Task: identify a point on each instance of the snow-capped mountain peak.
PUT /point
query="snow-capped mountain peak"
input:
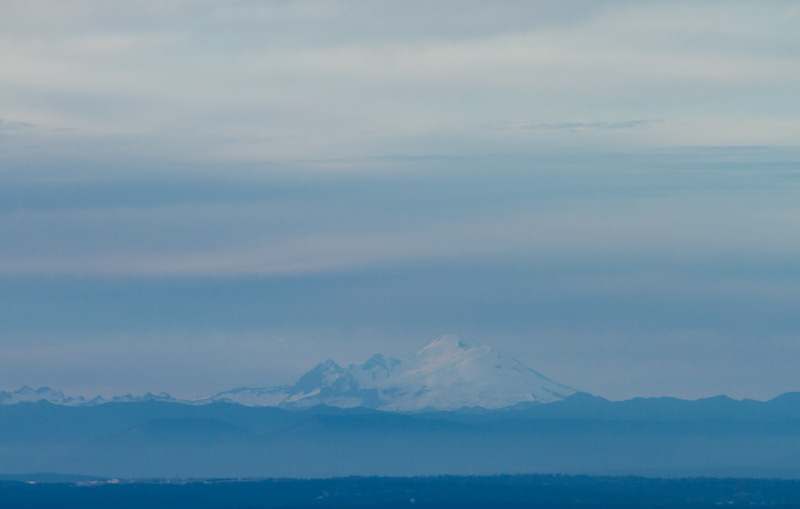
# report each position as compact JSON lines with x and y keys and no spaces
{"x":449,"y":373}
{"x":31,"y":395}
{"x":377,"y":367}
{"x":446,"y":374}
{"x":321,"y":375}
{"x":27,"y":394}
{"x":447,"y":344}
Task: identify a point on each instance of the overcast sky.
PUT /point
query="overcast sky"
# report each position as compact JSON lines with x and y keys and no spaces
{"x":196,"y":196}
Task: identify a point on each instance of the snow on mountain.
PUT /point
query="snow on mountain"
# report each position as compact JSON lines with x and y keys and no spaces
{"x":249,"y":396}
{"x":161,"y":396}
{"x":447,"y":374}
{"x":28,"y":394}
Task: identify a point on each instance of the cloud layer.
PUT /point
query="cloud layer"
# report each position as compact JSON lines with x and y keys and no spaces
{"x":607,"y":190}
{"x":256,"y":81}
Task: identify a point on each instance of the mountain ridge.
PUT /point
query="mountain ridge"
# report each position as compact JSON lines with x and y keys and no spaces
{"x":446,"y":374}
{"x":580,"y":434}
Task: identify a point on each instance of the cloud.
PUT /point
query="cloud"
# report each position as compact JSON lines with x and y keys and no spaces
{"x":267,"y":81}
{"x":443,"y":211}
{"x":15,"y":126}
{"x":594,"y":126}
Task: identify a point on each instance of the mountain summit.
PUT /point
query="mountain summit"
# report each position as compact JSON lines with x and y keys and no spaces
{"x":447,"y":374}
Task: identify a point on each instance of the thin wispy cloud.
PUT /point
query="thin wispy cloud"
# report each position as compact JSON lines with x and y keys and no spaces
{"x":5,"y":125}
{"x":594,"y":126}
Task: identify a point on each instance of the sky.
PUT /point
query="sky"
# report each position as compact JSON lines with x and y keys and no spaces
{"x":197,"y":195}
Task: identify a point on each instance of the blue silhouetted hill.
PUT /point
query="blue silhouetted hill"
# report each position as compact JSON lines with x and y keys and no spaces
{"x":581,"y":434}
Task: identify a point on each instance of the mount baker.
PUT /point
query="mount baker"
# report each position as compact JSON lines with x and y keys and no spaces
{"x":447,"y":374}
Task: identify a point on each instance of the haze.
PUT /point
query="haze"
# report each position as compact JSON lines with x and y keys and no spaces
{"x":196,"y":196}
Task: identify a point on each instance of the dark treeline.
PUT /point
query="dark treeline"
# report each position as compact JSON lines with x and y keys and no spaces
{"x":508,"y":491}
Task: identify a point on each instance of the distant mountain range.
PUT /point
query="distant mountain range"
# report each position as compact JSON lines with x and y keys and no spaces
{"x":447,"y":374}
{"x":27,"y":394}
{"x":581,"y":434}
{"x":451,"y":408}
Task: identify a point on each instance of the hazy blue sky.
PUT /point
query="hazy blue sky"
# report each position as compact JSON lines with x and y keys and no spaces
{"x":197,"y":195}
